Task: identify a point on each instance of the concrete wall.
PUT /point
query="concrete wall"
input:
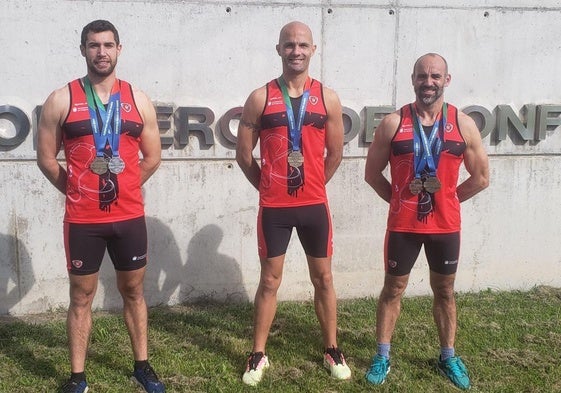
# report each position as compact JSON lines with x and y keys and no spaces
{"x":201,"y":211}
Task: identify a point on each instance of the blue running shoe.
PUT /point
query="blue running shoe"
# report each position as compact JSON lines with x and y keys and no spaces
{"x":455,"y":370}
{"x":74,"y":387}
{"x":147,"y":378}
{"x":379,"y":368}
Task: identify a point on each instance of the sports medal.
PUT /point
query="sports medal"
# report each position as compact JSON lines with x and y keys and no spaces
{"x":98,"y":166}
{"x":116,"y":165}
{"x":295,"y":159}
{"x":416,"y":186}
{"x":432,"y":184}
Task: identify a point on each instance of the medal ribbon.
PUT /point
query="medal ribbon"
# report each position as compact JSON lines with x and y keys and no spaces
{"x":295,"y":125}
{"x":108,"y":133}
{"x":431,"y":146}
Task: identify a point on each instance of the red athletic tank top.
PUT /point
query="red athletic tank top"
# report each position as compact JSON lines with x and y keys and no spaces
{"x":92,"y":198}
{"x":445,"y":218}
{"x":282,"y":185}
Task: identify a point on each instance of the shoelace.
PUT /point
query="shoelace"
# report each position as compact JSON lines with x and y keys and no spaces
{"x":335,"y":354}
{"x":150,"y":374}
{"x":378,"y":366}
{"x":454,"y":367}
{"x":254,"y":360}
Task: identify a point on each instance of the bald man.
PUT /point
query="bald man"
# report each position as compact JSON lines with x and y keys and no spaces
{"x":425,"y":143}
{"x":298,"y":123}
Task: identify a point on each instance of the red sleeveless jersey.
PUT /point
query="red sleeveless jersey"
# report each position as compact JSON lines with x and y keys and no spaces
{"x":93,"y":198}
{"x":281,"y":185}
{"x":445,"y":218}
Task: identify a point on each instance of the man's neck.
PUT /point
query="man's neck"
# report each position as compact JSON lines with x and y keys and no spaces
{"x":295,"y":83}
{"x":102,"y":85}
{"x":429,"y":113}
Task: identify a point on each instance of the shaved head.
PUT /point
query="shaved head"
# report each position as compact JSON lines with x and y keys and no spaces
{"x":291,"y":27}
{"x":431,"y":55}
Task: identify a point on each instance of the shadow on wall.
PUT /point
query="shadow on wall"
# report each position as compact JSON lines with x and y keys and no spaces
{"x":16,"y":274}
{"x":206,"y":276}
{"x":209,"y":274}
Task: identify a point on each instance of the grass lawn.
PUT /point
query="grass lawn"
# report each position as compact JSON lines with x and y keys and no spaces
{"x":510,"y":342}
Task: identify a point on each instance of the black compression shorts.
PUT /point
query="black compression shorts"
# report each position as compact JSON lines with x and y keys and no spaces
{"x":402,"y":249}
{"x":125,"y":241}
{"x":312,"y":223}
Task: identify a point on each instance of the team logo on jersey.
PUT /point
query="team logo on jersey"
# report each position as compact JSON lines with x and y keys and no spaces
{"x":80,"y":107}
{"x":77,"y":263}
{"x":449,"y":127}
{"x":314,"y":100}
{"x":275,"y":101}
{"x":126,"y":106}
{"x":406,"y":129}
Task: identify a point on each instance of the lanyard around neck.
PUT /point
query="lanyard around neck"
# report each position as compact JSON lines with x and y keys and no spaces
{"x":295,"y":125}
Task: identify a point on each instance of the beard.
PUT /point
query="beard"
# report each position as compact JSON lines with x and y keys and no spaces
{"x":101,"y":72}
{"x":429,"y":100}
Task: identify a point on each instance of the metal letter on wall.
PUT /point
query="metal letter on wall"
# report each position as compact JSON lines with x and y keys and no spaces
{"x":163,"y":113}
{"x":506,"y":117}
{"x":21,"y":123}
{"x":224,"y":123}
{"x":373,"y":116}
{"x":351,"y":123}
{"x":184,"y":127}
{"x":548,"y":119}
{"x":484,"y":119}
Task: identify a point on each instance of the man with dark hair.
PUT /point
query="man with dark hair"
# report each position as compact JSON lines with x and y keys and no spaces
{"x":299,"y":124}
{"x":103,"y":123}
{"x":425,"y":143}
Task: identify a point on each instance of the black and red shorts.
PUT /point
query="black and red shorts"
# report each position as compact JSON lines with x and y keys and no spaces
{"x":402,"y":249}
{"x":125,"y":241}
{"x":312,"y":223}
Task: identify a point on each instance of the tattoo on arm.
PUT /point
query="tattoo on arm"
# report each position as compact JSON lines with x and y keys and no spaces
{"x":252,"y":126}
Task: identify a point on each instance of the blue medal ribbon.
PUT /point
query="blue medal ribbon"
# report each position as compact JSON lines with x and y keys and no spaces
{"x":431,"y":146}
{"x":295,"y":125}
{"x":110,"y":119}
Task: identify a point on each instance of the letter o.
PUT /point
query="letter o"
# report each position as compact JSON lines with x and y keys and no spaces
{"x":20,"y":121}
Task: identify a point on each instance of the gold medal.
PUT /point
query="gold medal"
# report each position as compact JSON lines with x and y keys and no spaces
{"x":98,"y":166}
{"x":432,"y":184}
{"x":416,"y":186}
{"x":116,"y":165}
{"x":295,"y":159}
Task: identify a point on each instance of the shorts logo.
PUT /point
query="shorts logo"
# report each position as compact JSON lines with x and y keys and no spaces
{"x":392,"y":263}
{"x":139,"y":258}
{"x":451,"y":262}
{"x":77,"y":263}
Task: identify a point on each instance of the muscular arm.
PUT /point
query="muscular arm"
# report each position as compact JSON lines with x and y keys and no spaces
{"x":150,"y":144}
{"x":334,"y":133}
{"x":49,"y":137}
{"x":379,"y":155}
{"x":475,"y":160}
{"x":248,"y":135}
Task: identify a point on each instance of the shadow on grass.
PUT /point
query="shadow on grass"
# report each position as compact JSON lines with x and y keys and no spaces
{"x":227,"y":332}
{"x":28,"y":346}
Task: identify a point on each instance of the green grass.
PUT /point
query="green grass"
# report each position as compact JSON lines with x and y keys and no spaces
{"x":510,"y":341}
